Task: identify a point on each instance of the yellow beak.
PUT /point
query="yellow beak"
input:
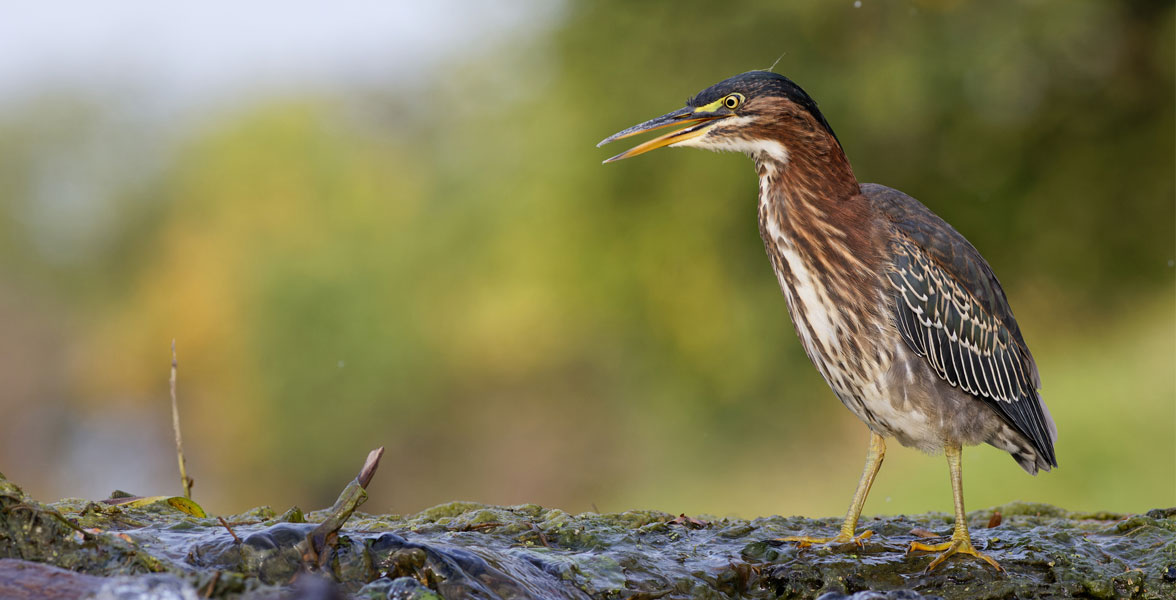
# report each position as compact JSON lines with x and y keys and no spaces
{"x":683,"y":116}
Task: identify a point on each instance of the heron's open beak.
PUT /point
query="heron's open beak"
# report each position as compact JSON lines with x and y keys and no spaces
{"x":683,"y":116}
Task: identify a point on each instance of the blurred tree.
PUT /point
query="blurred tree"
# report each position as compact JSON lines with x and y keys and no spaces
{"x":450,"y":272}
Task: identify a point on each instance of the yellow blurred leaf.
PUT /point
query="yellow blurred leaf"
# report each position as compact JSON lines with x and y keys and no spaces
{"x":134,"y":501}
{"x":187,"y":506}
{"x":179,"y":503}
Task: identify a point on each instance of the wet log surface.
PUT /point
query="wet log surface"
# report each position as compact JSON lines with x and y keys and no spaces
{"x":463,"y":550}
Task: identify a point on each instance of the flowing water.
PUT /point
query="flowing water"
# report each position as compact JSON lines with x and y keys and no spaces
{"x":465,"y":550}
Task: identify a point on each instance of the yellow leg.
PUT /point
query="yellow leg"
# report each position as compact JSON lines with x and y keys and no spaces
{"x":874,"y":458}
{"x":961,"y":541}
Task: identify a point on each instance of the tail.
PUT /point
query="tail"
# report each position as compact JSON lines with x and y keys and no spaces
{"x":1023,"y":450}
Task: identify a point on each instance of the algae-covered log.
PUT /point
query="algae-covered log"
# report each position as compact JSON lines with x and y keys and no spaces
{"x":465,"y":550}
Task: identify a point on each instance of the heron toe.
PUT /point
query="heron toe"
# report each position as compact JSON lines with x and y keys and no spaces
{"x":804,"y":541}
{"x":957,"y":545}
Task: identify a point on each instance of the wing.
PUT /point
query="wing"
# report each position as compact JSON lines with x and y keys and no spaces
{"x":951,"y":310}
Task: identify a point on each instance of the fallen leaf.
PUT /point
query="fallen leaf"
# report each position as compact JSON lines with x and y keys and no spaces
{"x":690,"y":522}
{"x":185,"y":505}
{"x":995,"y":520}
{"x":128,"y":500}
{"x":923,"y":533}
{"x":179,"y":503}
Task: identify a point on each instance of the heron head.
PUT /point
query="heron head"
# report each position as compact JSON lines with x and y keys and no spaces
{"x":759,"y":113}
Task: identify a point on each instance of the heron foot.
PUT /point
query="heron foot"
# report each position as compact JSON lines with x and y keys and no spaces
{"x":804,"y":541}
{"x":957,"y":545}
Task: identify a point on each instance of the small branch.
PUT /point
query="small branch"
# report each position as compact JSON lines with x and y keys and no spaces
{"x":225,"y":523}
{"x":215,"y":578}
{"x":45,"y":510}
{"x":315,"y":548}
{"x":370,"y":464}
{"x":185,"y":481}
{"x":539,"y":532}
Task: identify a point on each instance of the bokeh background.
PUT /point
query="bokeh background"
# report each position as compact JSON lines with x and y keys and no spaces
{"x":386,"y":223}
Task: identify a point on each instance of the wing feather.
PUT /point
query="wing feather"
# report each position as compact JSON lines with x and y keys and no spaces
{"x":951,"y":310}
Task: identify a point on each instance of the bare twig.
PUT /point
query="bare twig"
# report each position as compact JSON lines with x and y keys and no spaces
{"x":315,"y":548}
{"x":45,"y":510}
{"x":185,"y":481}
{"x":225,"y":524}
{"x":369,"y":467}
{"x":539,"y":532}
{"x":212,"y":584}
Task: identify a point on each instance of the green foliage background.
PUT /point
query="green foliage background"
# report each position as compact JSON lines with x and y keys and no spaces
{"x":446,"y":269}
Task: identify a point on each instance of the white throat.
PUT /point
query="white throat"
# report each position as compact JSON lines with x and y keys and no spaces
{"x":761,"y":151}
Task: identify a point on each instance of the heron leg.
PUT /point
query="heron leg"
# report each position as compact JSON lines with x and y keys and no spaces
{"x":874,"y":456}
{"x":961,"y":541}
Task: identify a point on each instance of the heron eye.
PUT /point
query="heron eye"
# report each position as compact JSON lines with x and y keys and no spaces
{"x":732,"y":101}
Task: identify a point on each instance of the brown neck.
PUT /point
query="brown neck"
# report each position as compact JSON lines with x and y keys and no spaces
{"x":812,"y":174}
{"x":814,"y":203}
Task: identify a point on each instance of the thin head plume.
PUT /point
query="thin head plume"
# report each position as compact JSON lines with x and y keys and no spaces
{"x":773,"y":67}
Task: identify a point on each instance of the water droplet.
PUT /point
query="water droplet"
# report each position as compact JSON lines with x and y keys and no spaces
{"x":857,"y":3}
{"x":342,"y":364}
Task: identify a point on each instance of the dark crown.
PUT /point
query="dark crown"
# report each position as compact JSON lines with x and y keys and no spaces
{"x":763,"y":83}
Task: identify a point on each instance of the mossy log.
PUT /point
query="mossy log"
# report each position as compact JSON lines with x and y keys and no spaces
{"x":464,"y":550}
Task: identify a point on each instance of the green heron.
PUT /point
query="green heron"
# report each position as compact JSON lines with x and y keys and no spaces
{"x":898,"y":312}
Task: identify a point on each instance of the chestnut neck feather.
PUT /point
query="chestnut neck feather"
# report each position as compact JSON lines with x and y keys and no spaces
{"x":816,"y":205}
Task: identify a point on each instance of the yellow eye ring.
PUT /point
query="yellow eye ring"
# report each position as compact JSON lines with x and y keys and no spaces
{"x":732,"y":101}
